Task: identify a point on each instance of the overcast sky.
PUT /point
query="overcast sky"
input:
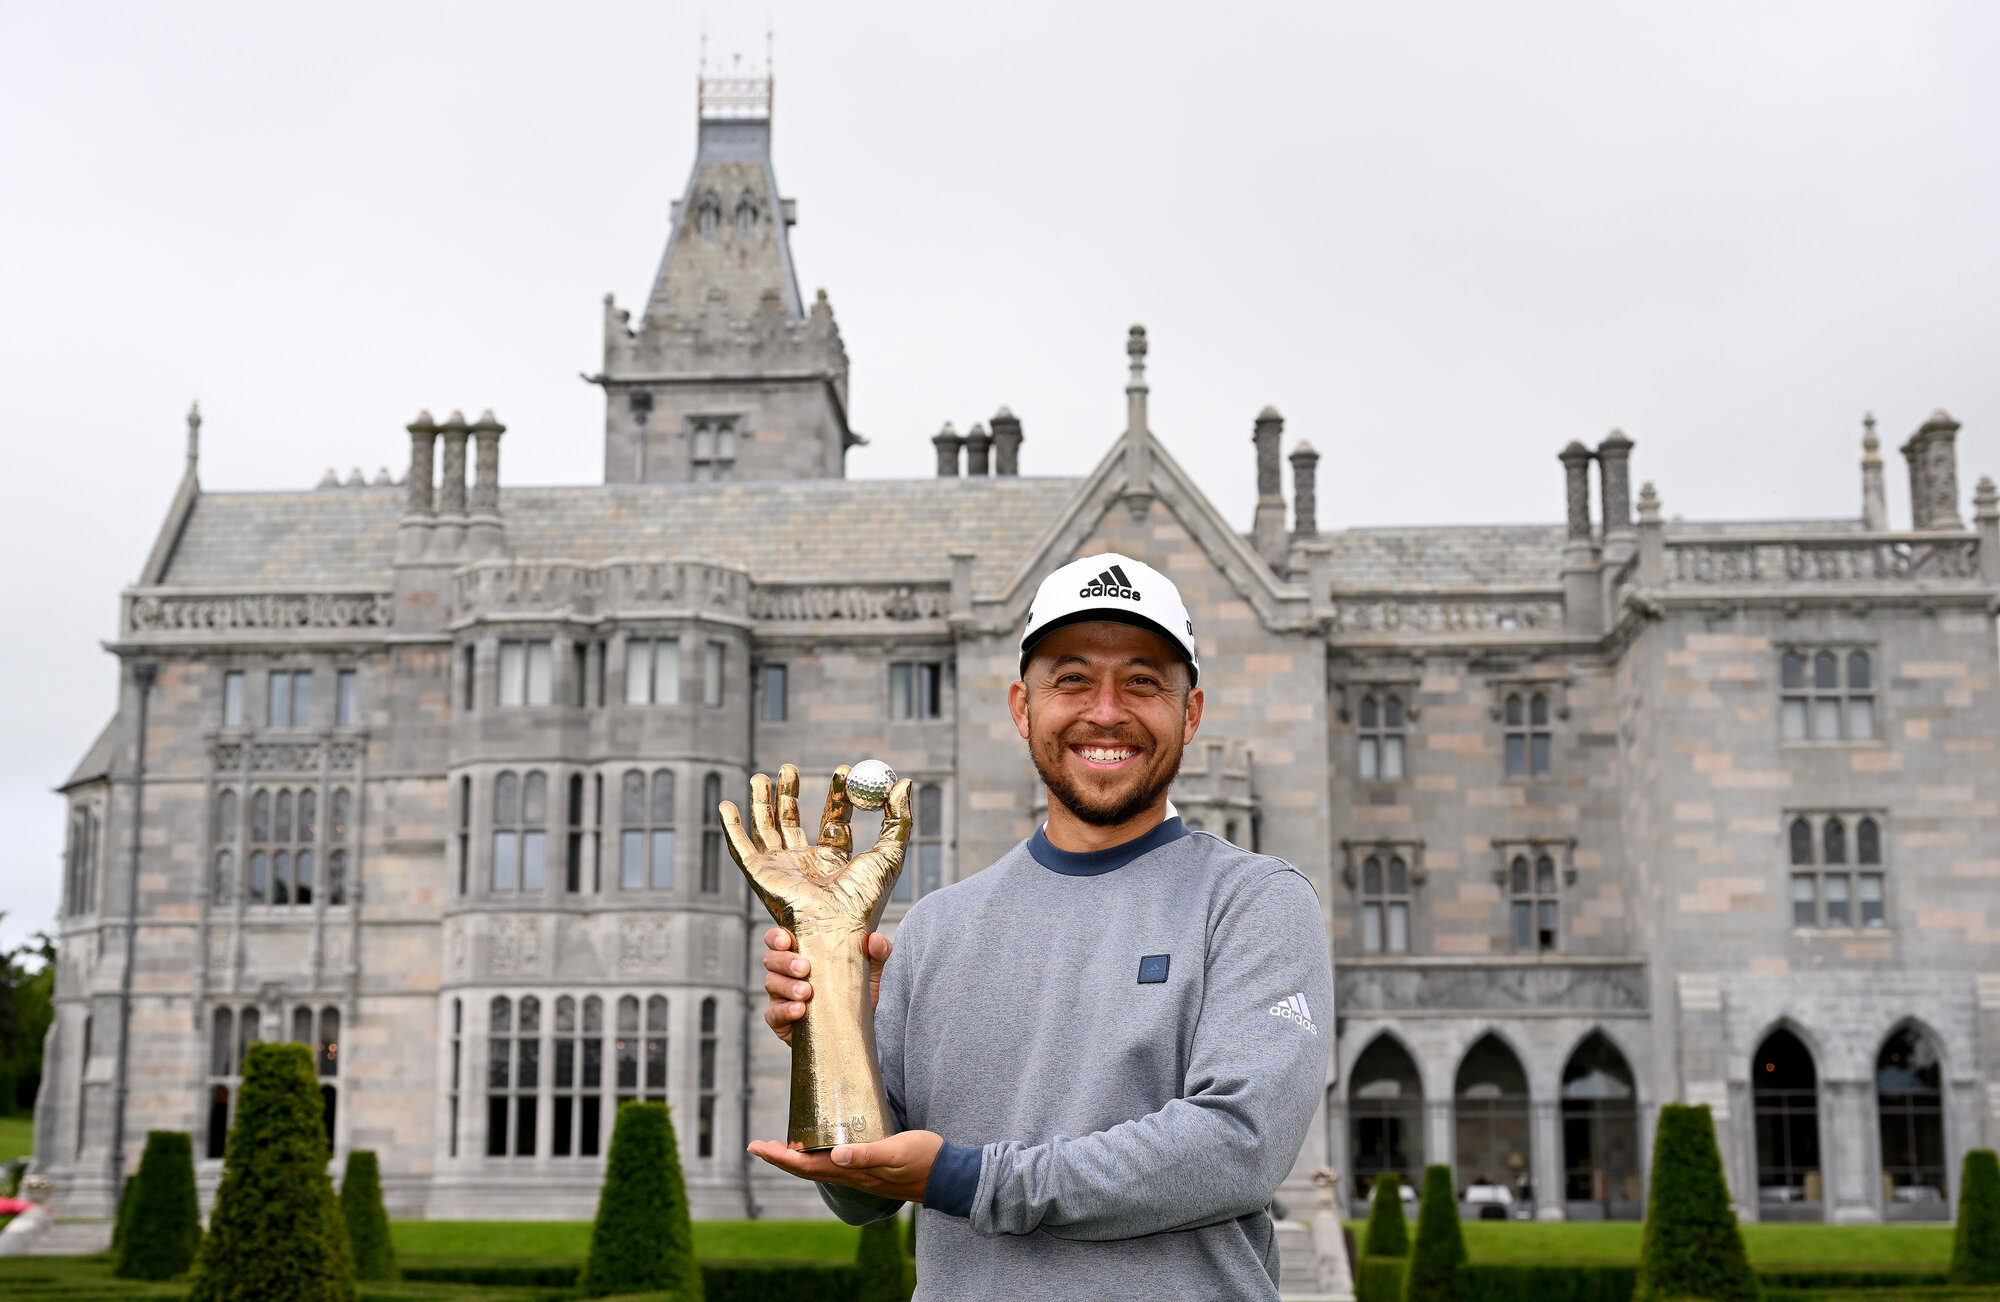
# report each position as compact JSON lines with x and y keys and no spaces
{"x":1442,"y":239}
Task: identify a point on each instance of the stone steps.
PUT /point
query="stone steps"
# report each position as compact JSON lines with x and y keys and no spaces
{"x":72,"y":1239}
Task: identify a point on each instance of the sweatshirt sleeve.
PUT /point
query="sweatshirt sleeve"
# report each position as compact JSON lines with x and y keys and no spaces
{"x":856,"y":1206}
{"x":1255,"y":1077}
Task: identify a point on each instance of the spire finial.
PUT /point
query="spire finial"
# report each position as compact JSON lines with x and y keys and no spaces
{"x":194,"y":435}
{"x":1869,"y":443}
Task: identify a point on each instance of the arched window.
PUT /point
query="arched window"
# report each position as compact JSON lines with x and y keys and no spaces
{"x":746,"y":215}
{"x":1784,"y":1088}
{"x":707,"y":214}
{"x":573,"y":848}
{"x":1490,"y":1118}
{"x":1802,"y":841}
{"x":1820,"y":706}
{"x":1385,"y":1112}
{"x":1379,"y":740}
{"x":1385,"y":903}
{"x":1600,"y":1134}
{"x":711,"y":834}
{"x":302,"y":1025}
{"x":464,"y":835}
{"x":1909,"y":1100}
{"x":284,"y":828}
{"x":336,"y":877}
{"x":1867,"y":842}
{"x":512,"y":1071}
{"x":627,"y":1048}
{"x":705,"y":1117}
{"x":225,"y":817}
{"x":1824,"y":892}
{"x":648,"y":830}
{"x":656,"y":1049}
{"x":222,"y":1045}
{"x":327,"y":1050}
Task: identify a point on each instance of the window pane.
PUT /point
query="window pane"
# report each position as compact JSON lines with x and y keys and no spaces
{"x":593,"y":1015}
{"x":1792,"y":715}
{"x":1392,"y":758}
{"x":1514,"y":710}
{"x":632,"y":861}
{"x":225,"y":877}
{"x":513,"y":673}
{"x":531,"y":1016}
{"x":534,"y":860}
{"x":656,"y":1063}
{"x":506,"y":860}
{"x":579,"y":673}
{"x":1858,"y":677}
{"x":336,"y":877}
{"x":656,"y":1013}
{"x":1802,"y":841}
{"x":1861,"y":718}
{"x":930,"y":865}
{"x":1524,"y":929}
{"x":260,"y":816}
{"x":1517,"y":754}
{"x":1545,"y":876}
{"x":1539,"y":753}
{"x":500,"y":1015}
{"x":1518,"y":874}
{"x":1368,"y":715}
{"x":303,"y":894}
{"x":1837,"y":914}
{"x":541,"y":673}
{"x":232,"y":700}
{"x":1369,"y":763}
{"x":507,"y":798}
{"x":930,"y":811}
{"x":336,"y":828}
{"x":225,"y":816}
{"x":667,"y":671}
{"x":535,"y":799}
{"x":1392,"y":711}
{"x":663,"y":860}
{"x":663,"y":798}
{"x":1826,"y":671}
{"x":281,"y":878}
{"x":1871,"y":900}
{"x":593,"y":1064}
{"x":1399,"y":876}
{"x":902,"y":691}
{"x":1371,"y":928}
{"x":638,"y":671}
{"x":260,"y":875}
{"x":1371,"y":876}
{"x":1805,"y":900}
{"x":1792,"y":671}
{"x":1835,"y":840}
{"x":346,"y":691}
{"x":1545,"y":932}
{"x":221,"y":1042}
{"x":565,"y":1013}
{"x":1399,"y":928}
{"x":308,"y":816}
{"x":632,"y":798}
{"x":711,"y":674}
{"x":774,"y":691}
{"x":1868,"y":842}
{"x":930,"y":690}
{"x":302,"y":687}
{"x":1826,"y":718}
{"x":1538,"y":711}
{"x":280,"y":714}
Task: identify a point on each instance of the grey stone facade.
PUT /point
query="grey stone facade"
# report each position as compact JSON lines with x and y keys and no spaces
{"x":1565,"y":791}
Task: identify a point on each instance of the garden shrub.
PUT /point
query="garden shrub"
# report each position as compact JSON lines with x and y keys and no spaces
{"x":1379,"y":1279}
{"x":1511,"y":1282}
{"x":880,"y":1259}
{"x":642,"y":1241}
{"x":276,"y":1233}
{"x":159,"y":1213}
{"x":1692,"y":1247}
{"x":123,"y":1215}
{"x":1975,"y":1244}
{"x":722,"y":1280}
{"x":1388,"y":1236}
{"x":1440,"y":1246}
{"x":367,"y":1222}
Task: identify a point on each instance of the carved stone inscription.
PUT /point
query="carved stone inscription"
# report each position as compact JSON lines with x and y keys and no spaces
{"x":1828,"y":561}
{"x":1498,"y":988}
{"x":899,"y":602}
{"x":270,"y":610}
{"x":1403,"y":616}
{"x":643,"y":944}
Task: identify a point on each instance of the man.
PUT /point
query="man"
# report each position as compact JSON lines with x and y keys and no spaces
{"x":1108,"y":1046}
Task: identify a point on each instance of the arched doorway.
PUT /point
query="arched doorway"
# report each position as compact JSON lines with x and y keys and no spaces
{"x":1909,"y":1098}
{"x":1600,"y":1134}
{"x":1490,"y":1116}
{"x":1784,"y":1086}
{"x":1385,"y":1116}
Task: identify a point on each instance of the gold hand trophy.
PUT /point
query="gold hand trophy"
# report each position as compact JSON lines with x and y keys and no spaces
{"x":829,"y":901}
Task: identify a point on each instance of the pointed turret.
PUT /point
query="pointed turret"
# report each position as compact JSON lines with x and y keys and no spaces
{"x":729,"y":373}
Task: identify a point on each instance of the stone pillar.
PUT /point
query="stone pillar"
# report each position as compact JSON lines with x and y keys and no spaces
{"x":1849,"y":1151}
{"x":1545,"y":1158}
{"x":978,"y":443}
{"x":419,"y":510}
{"x":1305,"y":492}
{"x":961,"y":584}
{"x":1582,"y":607}
{"x":1006,"y":443}
{"x":1614,"y":456}
{"x":450,"y":534}
{"x":1933,"y":456}
{"x":1138,"y":496}
{"x":1986,"y":519}
{"x":1652,"y":539}
{"x":484,"y":536}
{"x":1874,"y":495}
{"x":947,"y":441}
{"x":1267,"y":530}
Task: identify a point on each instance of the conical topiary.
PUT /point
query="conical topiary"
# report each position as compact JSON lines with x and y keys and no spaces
{"x":1440,"y":1246}
{"x":1975,"y":1245}
{"x":159,"y":1214}
{"x":276,"y":1233}
{"x":1388,"y":1236}
{"x":367,"y":1224}
{"x":880,"y":1257}
{"x":642,"y":1242}
{"x":123,"y":1215}
{"x":1692,"y":1246}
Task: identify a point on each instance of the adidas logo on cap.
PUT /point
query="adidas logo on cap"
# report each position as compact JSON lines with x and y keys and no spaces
{"x":1111,"y":583}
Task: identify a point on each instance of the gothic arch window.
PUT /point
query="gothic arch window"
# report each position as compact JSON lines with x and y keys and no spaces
{"x":1385,"y":1115}
{"x":284,"y":828}
{"x":1909,"y":1100}
{"x":1784,"y":1089}
{"x":520,"y":833}
{"x":1818,"y":703}
{"x":1385,"y":902}
{"x":746,"y":215}
{"x":1837,"y":882}
{"x":707,"y":214}
{"x":1490,"y":1119}
{"x":705,"y":1078}
{"x":1533,"y":898}
{"x":1600,"y":1134}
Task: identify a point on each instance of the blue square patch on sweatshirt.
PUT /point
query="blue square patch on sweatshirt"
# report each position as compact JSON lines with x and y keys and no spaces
{"x":1153,"y":968}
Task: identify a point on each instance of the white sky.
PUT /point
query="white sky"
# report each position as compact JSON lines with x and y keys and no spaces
{"x":1442,"y":239}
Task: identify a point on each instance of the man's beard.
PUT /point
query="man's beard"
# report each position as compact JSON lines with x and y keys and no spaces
{"x":1065,"y":793}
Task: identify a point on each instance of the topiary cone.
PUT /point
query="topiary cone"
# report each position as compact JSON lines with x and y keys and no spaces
{"x":642,"y":1241}
{"x":1387,"y":1235}
{"x":1975,"y":1244}
{"x":367,"y":1223}
{"x":1692,"y":1247}
{"x":276,"y":1233}
{"x":880,"y":1256}
{"x":1440,"y":1247}
{"x":160,"y":1213}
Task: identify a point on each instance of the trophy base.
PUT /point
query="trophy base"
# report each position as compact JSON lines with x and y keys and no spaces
{"x":819,"y":1138}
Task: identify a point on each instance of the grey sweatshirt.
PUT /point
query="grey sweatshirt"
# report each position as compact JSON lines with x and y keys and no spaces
{"x":1123,"y":1051}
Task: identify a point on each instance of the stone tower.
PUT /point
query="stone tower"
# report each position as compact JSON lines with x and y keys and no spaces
{"x":728,"y":374}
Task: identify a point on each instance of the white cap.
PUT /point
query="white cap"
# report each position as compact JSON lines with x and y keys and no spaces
{"x":1114,"y":589}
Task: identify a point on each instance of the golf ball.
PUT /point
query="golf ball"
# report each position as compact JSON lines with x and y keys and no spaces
{"x":868,"y":784}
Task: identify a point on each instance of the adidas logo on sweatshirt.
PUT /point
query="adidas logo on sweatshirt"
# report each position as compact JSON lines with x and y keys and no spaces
{"x":1294,"y":1010}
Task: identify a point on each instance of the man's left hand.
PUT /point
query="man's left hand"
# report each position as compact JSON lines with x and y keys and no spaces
{"x":896,"y":1167}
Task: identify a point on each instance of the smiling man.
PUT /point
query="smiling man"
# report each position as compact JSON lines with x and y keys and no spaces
{"x":1107,"y":1047}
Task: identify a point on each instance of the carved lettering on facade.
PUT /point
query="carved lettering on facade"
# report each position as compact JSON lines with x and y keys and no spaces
{"x":284,"y":757}
{"x":855,"y":602}
{"x":153,"y":613}
{"x":642,"y":944}
{"x":1404,"y":616}
{"x":1841,"y":560}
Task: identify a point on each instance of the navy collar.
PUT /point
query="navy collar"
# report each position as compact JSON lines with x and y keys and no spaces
{"x":1091,"y":863}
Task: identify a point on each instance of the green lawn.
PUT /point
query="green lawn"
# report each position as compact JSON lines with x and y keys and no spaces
{"x":17,"y":1137}
{"x":559,"y":1239}
{"x":1771,"y":1246}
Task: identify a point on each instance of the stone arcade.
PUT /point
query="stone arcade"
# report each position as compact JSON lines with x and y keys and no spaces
{"x":1604,"y":813}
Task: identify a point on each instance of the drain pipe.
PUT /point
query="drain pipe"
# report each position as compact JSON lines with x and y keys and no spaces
{"x":142,"y":678}
{"x":750,"y":1207}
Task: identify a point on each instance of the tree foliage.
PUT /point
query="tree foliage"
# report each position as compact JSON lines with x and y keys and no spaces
{"x":880,"y":1256}
{"x":642,"y":1241}
{"x":1440,"y":1247}
{"x":159,"y":1227}
{"x":1387,"y":1236}
{"x":367,"y":1223}
{"x":27,"y":1005}
{"x":1692,"y":1246}
{"x":276,"y":1233}
{"x":1975,"y":1245}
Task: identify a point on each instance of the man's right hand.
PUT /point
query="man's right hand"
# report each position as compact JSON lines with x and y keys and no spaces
{"x":785,"y":981}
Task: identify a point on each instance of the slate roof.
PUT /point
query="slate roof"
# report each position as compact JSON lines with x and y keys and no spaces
{"x":96,"y":762}
{"x":1448,"y":556}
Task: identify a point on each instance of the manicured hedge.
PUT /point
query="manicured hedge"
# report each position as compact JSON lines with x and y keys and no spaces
{"x":484,"y":1271}
{"x":1523,"y":1283}
{"x":367,"y":1223}
{"x":722,"y":1281}
{"x":642,"y":1240}
{"x":1975,"y":1246}
{"x":1387,"y":1235}
{"x":1379,"y":1279}
{"x":879,"y":1257}
{"x":1440,"y":1246}
{"x":160,"y":1214}
{"x":1692,"y":1247}
{"x":1836,"y":1278}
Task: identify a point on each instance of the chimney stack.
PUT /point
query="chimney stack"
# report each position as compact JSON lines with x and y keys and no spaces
{"x":1933,"y":456}
{"x":947,"y":441}
{"x":1305,"y":495}
{"x":977,"y":444}
{"x":1582,"y":609}
{"x":419,"y":510}
{"x":1006,"y":443}
{"x":1614,"y":456}
{"x":485,"y":533}
{"x":1267,"y":530}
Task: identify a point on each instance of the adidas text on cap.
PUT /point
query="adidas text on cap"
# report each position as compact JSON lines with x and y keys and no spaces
{"x":1113,"y":589}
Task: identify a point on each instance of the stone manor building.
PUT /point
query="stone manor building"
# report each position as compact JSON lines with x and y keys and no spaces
{"x":1603,"y":813}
